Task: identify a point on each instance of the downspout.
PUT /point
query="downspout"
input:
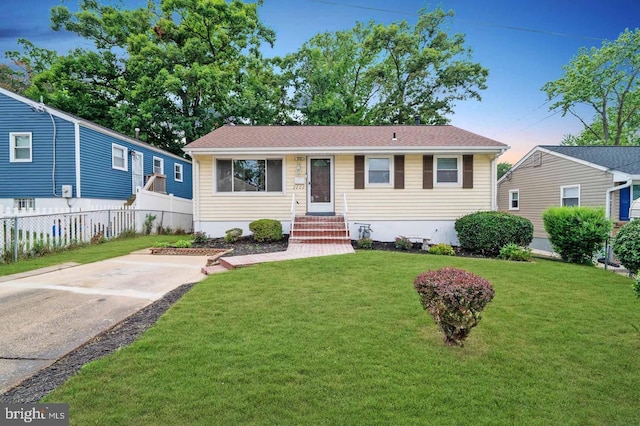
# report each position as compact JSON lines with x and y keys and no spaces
{"x":53,"y":168}
{"x":494,"y":181}
{"x":627,"y":184}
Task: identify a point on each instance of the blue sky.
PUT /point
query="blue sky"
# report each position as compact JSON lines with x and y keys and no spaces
{"x":523,"y":43}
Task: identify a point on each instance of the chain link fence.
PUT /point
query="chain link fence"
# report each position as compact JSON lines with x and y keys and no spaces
{"x":32,"y":234}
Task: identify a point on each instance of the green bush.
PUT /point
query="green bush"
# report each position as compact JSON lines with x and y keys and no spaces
{"x":182,"y":244}
{"x":635,"y":286}
{"x":200,"y":237}
{"x":148,"y":223}
{"x":266,"y":230}
{"x":232,"y":235}
{"x":576,"y":233}
{"x":626,"y":246}
{"x":455,"y":299}
{"x":487,"y":232}
{"x":365,"y":243}
{"x":515,"y":252}
{"x":403,"y":243}
{"x":443,"y":249}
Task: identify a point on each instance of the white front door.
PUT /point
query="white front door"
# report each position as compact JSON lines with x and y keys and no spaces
{"x":137,"y":171}
{"x":320,"y":188}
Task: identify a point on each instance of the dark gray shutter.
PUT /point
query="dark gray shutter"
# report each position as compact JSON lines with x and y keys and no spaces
{"x":358,"y":178}
{"x":398,"y":171}
{"x":467,"y":171}
{"x":427,"y":172}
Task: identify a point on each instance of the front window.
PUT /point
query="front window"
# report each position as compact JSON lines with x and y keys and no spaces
{"x":177,"y":173}
{"x":158,"y":166}
{"x":20,"y":147}
{"x":570,"y":195}
{"x":249,"y":175}
{"x":447,"y":170}
{"x":514,"y":199}
{"x":24,"y":203}
{"x":118,"y":157}
{"x":379,"y":170}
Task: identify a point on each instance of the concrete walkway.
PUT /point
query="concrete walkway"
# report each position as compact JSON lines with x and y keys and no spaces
{"x":47,"y":313}
{"x":294,"y":251}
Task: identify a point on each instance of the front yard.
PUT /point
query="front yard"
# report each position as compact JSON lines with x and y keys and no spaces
{"x":344,"y":340}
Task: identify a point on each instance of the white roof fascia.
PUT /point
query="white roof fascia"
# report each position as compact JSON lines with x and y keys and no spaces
{"x":538,"y":148}
{"x":86,"y":123}
{"x":131,"y":140}
{"x":347,"y":150}
{"x":37,"y":105}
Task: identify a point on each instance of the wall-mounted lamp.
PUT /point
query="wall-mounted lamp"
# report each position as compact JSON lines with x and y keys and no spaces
{"x":132,"y":152}
{"x":299,"y":160}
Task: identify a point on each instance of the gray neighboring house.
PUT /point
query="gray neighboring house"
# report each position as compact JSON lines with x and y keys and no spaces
{"x":549,"y":175}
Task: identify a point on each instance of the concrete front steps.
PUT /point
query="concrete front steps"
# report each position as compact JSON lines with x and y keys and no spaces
{"x":319,"y":230}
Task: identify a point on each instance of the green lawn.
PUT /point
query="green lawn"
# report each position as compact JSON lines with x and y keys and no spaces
{"x":343,"y":340}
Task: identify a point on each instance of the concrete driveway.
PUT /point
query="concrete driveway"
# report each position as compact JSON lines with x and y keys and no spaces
{"x":47,"y":313}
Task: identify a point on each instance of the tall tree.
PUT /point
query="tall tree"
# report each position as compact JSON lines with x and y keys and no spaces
{"x":375,"y":73}
{"x":606,"y":80}
{"x":503,"y":168}
{"x":176,"y":69}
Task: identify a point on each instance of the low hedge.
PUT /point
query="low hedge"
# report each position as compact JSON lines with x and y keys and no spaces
{"x":487,"y":232}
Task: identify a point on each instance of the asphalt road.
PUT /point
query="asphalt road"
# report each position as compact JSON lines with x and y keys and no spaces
{"x":45,"y":314}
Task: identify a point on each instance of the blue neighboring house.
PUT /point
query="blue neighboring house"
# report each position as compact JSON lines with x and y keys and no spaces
{"x":50,"y":159}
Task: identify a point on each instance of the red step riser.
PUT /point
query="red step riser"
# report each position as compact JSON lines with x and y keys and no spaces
{"x":318,"y":226}
{"x":320,"y":241}
{"x":311,"y":219}
{"x":318,"y":233}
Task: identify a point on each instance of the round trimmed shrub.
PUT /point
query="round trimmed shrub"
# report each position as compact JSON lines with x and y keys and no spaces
{"x":232,"y":235}
{"x":626,"y":246}
{"x":266,"y":230}
{"x":576,"y":233}
{"x":487,"y":232}
{"x":455,"y":298}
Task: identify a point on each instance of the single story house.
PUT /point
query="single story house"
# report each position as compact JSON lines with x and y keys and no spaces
{"x":51,"y":159}
{"x":549,"y":175}
{"x":401,"y":180}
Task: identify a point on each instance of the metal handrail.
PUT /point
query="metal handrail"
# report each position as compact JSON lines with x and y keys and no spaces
{"x":345,"y":209}
{"x":293,"y":212}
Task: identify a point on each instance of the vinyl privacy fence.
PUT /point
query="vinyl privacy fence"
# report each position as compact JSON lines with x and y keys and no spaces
{"x":24,"y":233}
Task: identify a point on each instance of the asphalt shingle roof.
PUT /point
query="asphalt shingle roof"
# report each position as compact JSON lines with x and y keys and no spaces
{"x":625,"y":159}
{"x":229,"y":137}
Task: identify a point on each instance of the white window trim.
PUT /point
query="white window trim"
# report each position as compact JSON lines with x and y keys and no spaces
{"x":153,"y":165}
{"x":562,"y":188}
{"x":366,"y":171}
{"x":458,"y":183}
{"x":177,"y":166}
{"x":12,"y":147}
{"x":249,"y":193}
{"x":125,"y":153}
{"x":514,"y":191}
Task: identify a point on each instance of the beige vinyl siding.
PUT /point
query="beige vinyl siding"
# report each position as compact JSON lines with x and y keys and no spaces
{"x":248,"y":206}
{"x":412,"y":202}
{"x":540,"y":187}
{"x":382,"y":203}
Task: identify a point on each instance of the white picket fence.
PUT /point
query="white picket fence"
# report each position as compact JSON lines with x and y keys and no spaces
{"x":24,"y":231}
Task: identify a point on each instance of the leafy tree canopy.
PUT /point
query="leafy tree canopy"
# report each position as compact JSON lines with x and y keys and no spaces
{"x":383,"y":74}
{"x":175,"y":69}
{"x":606,"y":80}
{"x":178,"y":69}
{"x":503,"y":168}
